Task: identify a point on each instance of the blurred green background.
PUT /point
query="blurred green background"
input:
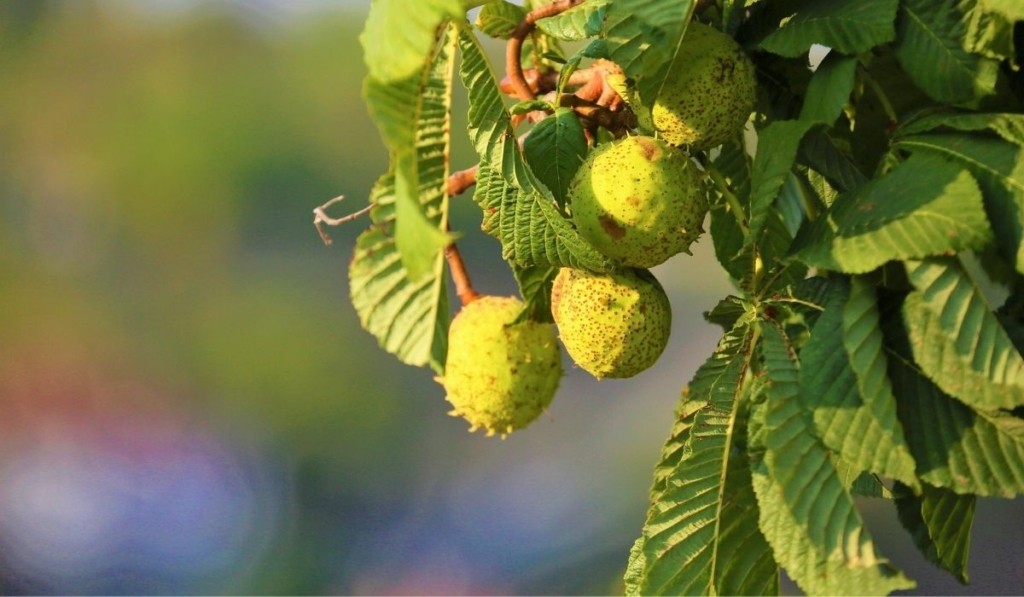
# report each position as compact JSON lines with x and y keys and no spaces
{"x":187,"y":402}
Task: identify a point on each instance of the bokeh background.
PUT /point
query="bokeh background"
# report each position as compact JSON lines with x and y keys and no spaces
{"x":187,"y":401}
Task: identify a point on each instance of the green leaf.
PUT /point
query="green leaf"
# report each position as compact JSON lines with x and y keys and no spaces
{"x":930,"y":46}
{"x":968,"y":451}
{"x":399,"y":36}
{"x":843,"y":383}
{"x":957,"y":339}
{"x":926,"y":206}
{"x":535,"y":287}
{"x":555,"y":148}
{"x":419,"y":241}
{"x":518,"y":209}
{"x":998,"y":167}
{"x":499,"y":18}
{"x":807,"y":515}
{"x":413,"y":116}
{"x":830,"y":89}
{"x":1010,"y":127}
{"x":701,"y":535}
{"x":847,"y":26}
{"x":988,"y":34}
{"x":1010,"y":9}
{"x":643,"y":38}
{"x":577,"y":23}
{"x":820,"y":152}
{"x":777,"y":145}
{"x":940,"y":522}
{"x":671,"y":454}
{"x":409,"y":318}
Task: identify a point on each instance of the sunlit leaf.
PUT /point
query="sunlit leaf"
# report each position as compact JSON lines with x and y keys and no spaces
{"x":998,"y":167}
{"x":643,"y":38}
{"x":409,"y":318}
{"x":957,"y":339}
{"x":499,"y":18}
{"x":939,"y":521}
{"x":848,"y":26}
{"x":701,"y":534}
{"x":843,"y":383}
{"x":968,"y":451}
{"x":399,"y":36}
{"x":927,"y":206}
{"x":930,"y":46}
{"x":413,"y":116}
{"x":577,"y":23}
{"x":807,"y":514}
{"x":527,"y":221}
{"x":555,"y":149}
{"x":397,"y":272}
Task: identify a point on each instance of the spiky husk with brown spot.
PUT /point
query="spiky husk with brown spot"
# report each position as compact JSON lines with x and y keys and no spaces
{"x":709,"y":92}
{"x":499,"y":375}
{"x":639,"y":201}
{"x":612,"y":325}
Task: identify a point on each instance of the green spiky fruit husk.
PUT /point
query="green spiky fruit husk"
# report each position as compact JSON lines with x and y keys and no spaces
{"x":499,"y":375}
{"x":612,"y":325}
{"x":709,"y":92}
{"x":638,"y":200}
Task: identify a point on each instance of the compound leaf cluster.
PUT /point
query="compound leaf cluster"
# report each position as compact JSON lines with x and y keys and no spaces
{"x":871,"y":217}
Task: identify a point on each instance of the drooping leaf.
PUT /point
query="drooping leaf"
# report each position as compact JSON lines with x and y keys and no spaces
{"x":400,"y":36}
{"x":577,"y":23}
{"x":830,"y":88}
{"x":555,"y":149}
{"x":958,"y":341}
{"x":968,"y":451}
{"x":844,"y":384}
{"x":926,"y":206}
{"x":399,"y":292}
{"x":499,"y":18}
{"x":413,"y":116}
{"x":998,"y":167}
{"x":527,"y":221}
{"x":930,"y":40}
{"x":408,"y":317}
{"x":701,"y":534}
{"x":939,"y":521}
{"x":671,"y":454}
{"x":807,"y":515}
{"x":848,"y":26}
{"x":535,"y":288}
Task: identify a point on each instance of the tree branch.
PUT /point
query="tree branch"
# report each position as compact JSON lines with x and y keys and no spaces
{"x":514,"y":47}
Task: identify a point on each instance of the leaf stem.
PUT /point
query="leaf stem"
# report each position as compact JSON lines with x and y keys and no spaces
{"x":881,"y":95}
{"x":457,"y":267}
{"x":460,"y":181}
{"x":734,"y":202}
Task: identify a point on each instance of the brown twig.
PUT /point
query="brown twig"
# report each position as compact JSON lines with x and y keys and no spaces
{"x":457,"y":268}
{"x":514,"y":47}
{"x":460,"y":181}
